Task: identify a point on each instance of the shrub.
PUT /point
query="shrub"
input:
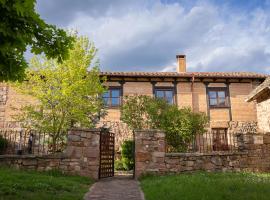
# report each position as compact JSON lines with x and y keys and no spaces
{"x":180,"y":125}
{"x":127,"y":154}
{"x":3,"y":144}
{"x":118,"y":165}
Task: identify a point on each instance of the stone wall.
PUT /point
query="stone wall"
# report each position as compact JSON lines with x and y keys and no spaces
{"x":81,"y":156}
{"x":3,"y":101}
{"x":33,"y":162}
{"x":263,"y":112}
{"x":150,"y":156}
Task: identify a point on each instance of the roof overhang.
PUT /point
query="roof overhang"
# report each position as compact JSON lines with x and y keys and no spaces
{"x":256,"y":95}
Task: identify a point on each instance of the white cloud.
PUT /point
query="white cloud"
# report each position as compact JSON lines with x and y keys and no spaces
{"x":147,"y":36}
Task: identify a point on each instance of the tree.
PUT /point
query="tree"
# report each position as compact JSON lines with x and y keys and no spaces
{"x":180,"y":125}
{"x":68,"y":94}
{"x":20,"y":27}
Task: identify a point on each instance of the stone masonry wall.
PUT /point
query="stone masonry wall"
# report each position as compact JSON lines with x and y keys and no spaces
{"x":263,"y":113}
{"x":81,"y":156}
{"x":82,"y":153}
{"x":3,"y":101}
{"x":150,"y":156}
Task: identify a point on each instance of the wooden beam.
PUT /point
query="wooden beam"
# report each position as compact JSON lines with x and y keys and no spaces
{"x":207,"y":100}
{"x":229,"y":100}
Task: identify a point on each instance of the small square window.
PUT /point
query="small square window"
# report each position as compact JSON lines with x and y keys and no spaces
{"x":112,"y":97}
{"x":166,"y":94}
{"x":217,"y":97}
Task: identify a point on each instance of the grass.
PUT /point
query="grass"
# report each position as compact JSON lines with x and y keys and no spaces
{"x":207,"y":186}
{"x":31,"y":185}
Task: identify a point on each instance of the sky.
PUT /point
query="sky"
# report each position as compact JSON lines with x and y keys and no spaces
{"x":146,"y":35}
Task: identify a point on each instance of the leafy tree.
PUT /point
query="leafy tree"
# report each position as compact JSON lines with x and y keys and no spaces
{"x":21,"y":26}
{"x":67,"y":93}
{"x":180,"y":125}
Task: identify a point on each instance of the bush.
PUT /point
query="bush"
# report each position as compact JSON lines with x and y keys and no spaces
{"x":3,"y":144}
{"x":180,"y":125}
{"x":127,"y":154}
{"x":118,"y":165}
{"x":127,"y":157}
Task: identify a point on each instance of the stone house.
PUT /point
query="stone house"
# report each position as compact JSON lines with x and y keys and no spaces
{"x":221,"y":95}
{"x":261,"y":95}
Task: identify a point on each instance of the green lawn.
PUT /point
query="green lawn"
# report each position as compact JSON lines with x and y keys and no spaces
{"x":207,"y":186}
{"x":31,"y":185}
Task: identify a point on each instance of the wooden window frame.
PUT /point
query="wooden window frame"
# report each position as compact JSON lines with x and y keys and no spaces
{"x":110,"y":96}
{"x":172,"y":89}
{"x":218,"y":89}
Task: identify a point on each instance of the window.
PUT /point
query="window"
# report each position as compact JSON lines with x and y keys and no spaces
{"x":165,"y":93}
{"x":217,"y":97}
{"x":220,"y":139}
{"x":112,"y":98}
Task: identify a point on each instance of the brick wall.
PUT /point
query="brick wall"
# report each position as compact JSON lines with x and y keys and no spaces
{"x":150,"y":156}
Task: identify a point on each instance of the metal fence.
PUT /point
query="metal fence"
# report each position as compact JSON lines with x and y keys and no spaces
{"x":30,"y":142}
{"x":216,"y":140}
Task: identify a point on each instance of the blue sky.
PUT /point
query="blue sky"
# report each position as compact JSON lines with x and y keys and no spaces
{"x":145,"y":35}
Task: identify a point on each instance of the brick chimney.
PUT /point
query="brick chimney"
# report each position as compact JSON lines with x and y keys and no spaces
{"x":181,"y":63}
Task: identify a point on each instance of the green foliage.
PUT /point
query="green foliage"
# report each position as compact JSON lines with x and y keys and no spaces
{"x":127,"y":154}
{"x":207,"y":186}
{"x":3,"y":144}
{"x":31,"y":185}
{"x":20,"y":27}
{"x":119,"y":165}
{"x":141,"y":112}
{"x":180,"y":125}
{"x":67,"y":93}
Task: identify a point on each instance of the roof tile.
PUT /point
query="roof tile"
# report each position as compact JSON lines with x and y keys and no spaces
{"x":187,"y":74}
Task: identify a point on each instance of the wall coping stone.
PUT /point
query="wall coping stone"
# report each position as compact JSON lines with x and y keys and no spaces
{"x":86,"y":129}
{"x":54,"y":156}
{"x":147,"y":130}
{"x":205,"y":154}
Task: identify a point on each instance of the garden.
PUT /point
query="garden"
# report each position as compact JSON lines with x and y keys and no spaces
{"x":31,"y":185}
{"x":207,"y":186}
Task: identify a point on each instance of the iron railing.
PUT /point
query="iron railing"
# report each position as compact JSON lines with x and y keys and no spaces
{"x":216,"y":140}
{"x":30,"y":142}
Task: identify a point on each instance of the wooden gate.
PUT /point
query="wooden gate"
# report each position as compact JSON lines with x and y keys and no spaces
{"x":106,"y":168}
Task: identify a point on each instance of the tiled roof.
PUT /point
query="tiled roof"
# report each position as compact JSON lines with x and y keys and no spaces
{"x":187,"y":74}
{"x":259,"y":90}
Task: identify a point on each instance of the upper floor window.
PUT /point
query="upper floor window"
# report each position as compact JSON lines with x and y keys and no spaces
{"x":165,"y":93}
{"x":112,"y":97}
{"x":217,"y":97}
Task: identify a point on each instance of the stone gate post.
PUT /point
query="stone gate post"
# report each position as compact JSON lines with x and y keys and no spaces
{"x":149,"y":152}
{"x":82,"y":152}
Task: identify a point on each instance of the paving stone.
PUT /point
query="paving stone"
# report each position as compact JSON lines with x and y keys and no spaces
{"x":115,"y":189}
